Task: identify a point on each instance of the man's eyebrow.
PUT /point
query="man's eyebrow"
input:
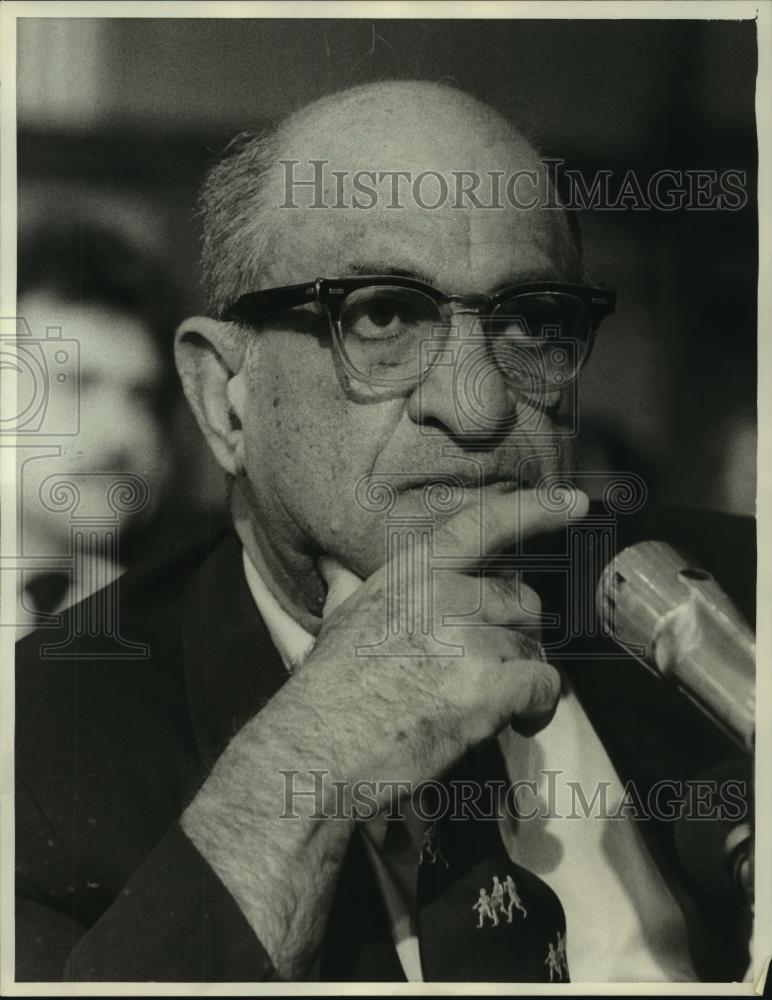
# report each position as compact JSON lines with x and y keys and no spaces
{"x":524,"y":276}
{"x":398,"y":272}
{"x":528,"y":276}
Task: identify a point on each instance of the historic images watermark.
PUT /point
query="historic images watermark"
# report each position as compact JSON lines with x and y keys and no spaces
{"x":315,"y":794}
{"x":81,"y":509}
{"x":313,"y":183}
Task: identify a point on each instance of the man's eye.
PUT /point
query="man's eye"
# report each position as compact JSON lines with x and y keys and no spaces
{"x":386,"y":314}
{"x":380,"y":318}
{"x":382,"y":313}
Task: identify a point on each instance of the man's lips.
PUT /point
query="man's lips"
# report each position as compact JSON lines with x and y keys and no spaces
{"x":452,"y":479}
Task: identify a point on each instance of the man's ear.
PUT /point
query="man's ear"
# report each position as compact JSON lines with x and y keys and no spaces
{"x":210,"y":359}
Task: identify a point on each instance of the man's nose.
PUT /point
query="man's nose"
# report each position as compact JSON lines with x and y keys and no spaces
{"x":464,"y":391}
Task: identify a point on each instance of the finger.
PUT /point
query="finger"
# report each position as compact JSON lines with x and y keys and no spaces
{"x":490,"y":599}
{"x":341,"y":583}
{"x":534,"y":695}
{"x":495,"y":518}
{"x":506,"y":600}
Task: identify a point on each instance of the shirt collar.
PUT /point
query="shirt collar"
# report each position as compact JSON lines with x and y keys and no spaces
{"x":292,"y":641}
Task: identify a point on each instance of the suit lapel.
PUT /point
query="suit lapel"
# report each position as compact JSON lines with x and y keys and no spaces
{"x":232,"y":668}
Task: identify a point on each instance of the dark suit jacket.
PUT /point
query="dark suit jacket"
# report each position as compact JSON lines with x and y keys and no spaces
{"x":116,"y":732}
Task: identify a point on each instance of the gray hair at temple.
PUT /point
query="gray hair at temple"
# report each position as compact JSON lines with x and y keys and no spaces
{"x":234,"y":242}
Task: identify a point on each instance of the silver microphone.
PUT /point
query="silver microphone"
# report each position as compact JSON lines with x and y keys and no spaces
{"x":673,"y":617}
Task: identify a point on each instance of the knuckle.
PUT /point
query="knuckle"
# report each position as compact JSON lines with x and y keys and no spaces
{"x":545,"y":690}
{"x":523,"y":645}
{"x":529,"y":601}
{"x":502,"y":586}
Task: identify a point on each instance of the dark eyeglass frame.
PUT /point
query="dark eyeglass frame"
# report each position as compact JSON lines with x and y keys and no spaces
{"x":254,"y":307}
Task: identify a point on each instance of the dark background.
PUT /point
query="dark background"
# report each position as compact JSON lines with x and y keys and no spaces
{"x":123,"y":115}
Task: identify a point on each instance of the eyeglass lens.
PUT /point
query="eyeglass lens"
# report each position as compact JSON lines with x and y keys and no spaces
{"x":538,"y":340}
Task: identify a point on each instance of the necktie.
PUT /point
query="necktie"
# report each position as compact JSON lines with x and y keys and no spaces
{"x":481,"y":916}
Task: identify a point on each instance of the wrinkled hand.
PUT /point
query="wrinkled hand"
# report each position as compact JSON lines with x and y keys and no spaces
{"x":400,"y":708}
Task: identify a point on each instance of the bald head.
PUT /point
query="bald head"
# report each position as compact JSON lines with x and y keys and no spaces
{"x":367,"y":169}
{"x":405,"y":121}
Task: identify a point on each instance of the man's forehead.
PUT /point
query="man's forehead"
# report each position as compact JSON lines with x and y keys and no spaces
{"x":415,"y":178}
{"x":481,"y":252}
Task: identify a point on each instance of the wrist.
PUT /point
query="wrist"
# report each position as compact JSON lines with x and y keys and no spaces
{"x":280,"y":865}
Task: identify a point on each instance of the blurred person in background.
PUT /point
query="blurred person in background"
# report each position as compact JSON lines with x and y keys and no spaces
{"x":110,"y":296}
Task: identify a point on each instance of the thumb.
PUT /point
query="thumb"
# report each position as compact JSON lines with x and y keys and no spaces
{"x":341,"y":583}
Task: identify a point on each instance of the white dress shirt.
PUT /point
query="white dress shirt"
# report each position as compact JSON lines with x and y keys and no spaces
{"x":622,"y":923}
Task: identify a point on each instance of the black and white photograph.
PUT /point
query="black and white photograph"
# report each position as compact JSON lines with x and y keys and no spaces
{"x":381,"y":422}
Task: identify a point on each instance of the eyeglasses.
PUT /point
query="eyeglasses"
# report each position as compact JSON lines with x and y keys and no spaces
{"x":390,"y":330}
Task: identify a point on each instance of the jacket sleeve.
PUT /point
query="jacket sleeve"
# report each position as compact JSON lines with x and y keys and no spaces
{"x":109,"y":749}
{"x":173,"y":922}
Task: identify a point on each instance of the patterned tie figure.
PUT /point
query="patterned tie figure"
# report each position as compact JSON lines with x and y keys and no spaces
{"x":497,"y":895}
{"x":487,"y":908}
{"x":514,"y":899}
{"x":481,"y":916}
{"x":429,"y":850}
{"x":552,"y":961}
{"x":556,"y":959}
{"x":561,"y":950}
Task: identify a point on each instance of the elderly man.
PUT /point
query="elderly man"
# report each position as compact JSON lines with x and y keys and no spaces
{"x":197,"y":812}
